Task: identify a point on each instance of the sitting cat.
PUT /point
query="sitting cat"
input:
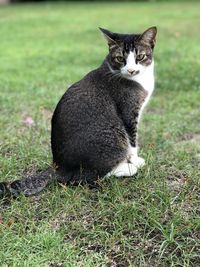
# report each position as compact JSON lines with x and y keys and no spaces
{"x":94,"y":126}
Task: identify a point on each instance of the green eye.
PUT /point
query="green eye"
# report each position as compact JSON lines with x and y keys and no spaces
{"x":120,"y":59}
{"x":141,"y":57}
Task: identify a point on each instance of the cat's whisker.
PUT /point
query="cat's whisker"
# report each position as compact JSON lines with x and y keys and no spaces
{"x":117,"y":75}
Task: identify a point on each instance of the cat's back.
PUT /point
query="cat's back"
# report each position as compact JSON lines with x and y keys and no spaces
{"x":90,"y":87}
{"x":86,"y":100}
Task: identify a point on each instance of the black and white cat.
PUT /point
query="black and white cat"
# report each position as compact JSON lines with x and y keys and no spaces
{"x":94,"y":126}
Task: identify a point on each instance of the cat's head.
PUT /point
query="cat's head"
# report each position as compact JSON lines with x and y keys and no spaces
{"x":130,"y":54}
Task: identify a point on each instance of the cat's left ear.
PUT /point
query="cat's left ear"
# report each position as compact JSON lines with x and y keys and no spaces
{"x":109,"y":36}
{"x":149,"y":36}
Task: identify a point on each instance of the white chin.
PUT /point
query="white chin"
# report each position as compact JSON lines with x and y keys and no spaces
{"x":129,"y":77}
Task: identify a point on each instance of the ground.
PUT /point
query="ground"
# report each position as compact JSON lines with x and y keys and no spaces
{"x":148,"y":220}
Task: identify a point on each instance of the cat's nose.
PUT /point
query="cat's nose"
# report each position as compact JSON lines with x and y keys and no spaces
{"x":131,"y":71}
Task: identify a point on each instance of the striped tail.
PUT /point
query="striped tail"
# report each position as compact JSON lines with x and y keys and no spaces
{"x":28,"y":186}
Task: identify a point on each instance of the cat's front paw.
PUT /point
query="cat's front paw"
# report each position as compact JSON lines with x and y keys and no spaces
{"x":138,"y":162}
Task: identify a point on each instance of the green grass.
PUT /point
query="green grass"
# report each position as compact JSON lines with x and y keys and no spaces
{"x":150,"y":220}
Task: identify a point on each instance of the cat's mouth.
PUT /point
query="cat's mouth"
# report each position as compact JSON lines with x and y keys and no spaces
{"x":130,"y":74}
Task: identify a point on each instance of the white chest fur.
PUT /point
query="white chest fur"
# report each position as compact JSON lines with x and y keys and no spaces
{"x":146,"y":80}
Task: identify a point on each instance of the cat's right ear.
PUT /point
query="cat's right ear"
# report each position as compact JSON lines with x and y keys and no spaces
{"x":109,"y":36}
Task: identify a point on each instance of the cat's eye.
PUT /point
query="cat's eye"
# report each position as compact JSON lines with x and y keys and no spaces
{"x":120,"y":59}
{"x":140,"y":57}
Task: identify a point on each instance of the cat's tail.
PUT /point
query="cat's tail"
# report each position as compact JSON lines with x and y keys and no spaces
{"x":34,"y":184}
{"x":28,"y":186}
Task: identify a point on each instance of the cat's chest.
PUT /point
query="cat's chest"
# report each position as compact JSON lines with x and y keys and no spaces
{"x":146,"y":79}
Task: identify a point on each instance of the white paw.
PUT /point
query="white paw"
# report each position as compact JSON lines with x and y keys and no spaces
{"x":138,"y":162}
{"x":123,"y":169}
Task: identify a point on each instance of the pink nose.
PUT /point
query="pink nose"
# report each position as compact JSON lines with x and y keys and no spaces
{"x":131,"y":71}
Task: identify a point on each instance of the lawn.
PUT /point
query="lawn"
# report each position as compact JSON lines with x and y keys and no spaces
{"x":152,"y":219}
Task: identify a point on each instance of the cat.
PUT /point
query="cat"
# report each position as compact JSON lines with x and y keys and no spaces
{"x":94,"y":125}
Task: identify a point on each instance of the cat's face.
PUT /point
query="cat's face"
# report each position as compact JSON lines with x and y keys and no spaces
{"x":130,"y":54}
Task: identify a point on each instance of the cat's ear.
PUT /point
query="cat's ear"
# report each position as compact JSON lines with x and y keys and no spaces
{"x":149,"y":36}
{"x":109,"y":36}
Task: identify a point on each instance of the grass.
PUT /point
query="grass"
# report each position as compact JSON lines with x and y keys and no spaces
{"x":150,"y":220}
